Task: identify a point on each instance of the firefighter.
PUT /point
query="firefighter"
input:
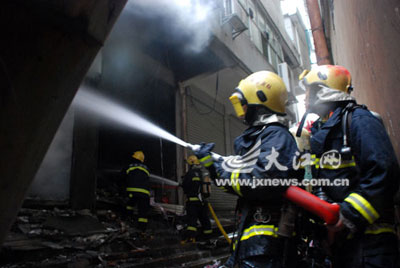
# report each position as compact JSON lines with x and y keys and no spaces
{"x":196,"y":188}
{"x":265,"y":150}
{"x":348,"y":142}
{"x":138,"y":189}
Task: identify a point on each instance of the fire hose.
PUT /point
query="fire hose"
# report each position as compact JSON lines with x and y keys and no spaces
{"x":325,"y":210}
{"x":218,"y":223}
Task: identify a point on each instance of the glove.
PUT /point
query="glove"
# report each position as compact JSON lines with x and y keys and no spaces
{"x":218,"y":165}
{"x":204,"y":153}
{"x":205,"y":149}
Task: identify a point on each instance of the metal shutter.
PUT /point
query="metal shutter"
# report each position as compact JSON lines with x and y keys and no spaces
{"x":205,"y":120}
{"x":236,"y":128}
{"x":205,"y":123}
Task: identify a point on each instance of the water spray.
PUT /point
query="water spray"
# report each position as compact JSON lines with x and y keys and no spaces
{"x":102,"y":106}
{"x":109,"y":110}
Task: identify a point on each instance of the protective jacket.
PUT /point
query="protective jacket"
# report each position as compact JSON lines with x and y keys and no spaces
{"x":371,"y":168}
{"x":372,"y":171}
{"x":196,"y":208}
{"x":137,"y":178}
{"x":262,"y":152}
{"x":138,"y":191}
{"x":192,"y":183}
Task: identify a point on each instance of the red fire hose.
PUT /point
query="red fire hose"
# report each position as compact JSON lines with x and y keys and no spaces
{"x":325,"y":210}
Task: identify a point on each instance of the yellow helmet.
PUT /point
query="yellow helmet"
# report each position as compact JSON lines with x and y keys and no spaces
{"x":139,"y":156}
{"x":332,"y":76}
{"x":193,"y":160}
{"x":260,"y":89}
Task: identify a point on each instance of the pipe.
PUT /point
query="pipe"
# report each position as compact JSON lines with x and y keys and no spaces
{"x":218,"y":223}
{"x":321,"y":48}
{"x":182,"y":90}
{"x":156,"y":178}
{"x":183,"y":126}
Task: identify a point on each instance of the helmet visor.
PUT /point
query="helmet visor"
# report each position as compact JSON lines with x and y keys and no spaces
{"x":238,"y":101}
{"x":311,"y":93}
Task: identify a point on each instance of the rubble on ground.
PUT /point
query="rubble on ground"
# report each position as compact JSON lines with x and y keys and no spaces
{"x":49,"y":234}
{"x":101,"y":238}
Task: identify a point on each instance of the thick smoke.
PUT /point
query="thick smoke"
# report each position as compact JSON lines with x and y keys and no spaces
{"x":183,"y":18}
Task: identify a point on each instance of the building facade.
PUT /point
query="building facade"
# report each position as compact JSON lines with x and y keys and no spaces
{"x":179,"y":77}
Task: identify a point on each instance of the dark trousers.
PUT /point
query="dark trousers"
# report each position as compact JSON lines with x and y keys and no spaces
{"x":283,"y":254}
{"x":143,"y":204}
{"x":367,"y":251}
{"x":260,"y":261}
{"x":197,"y":210}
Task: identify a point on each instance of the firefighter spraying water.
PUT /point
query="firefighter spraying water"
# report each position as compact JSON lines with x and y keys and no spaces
{"x":109,"y":110}
{"x":282,"y":216}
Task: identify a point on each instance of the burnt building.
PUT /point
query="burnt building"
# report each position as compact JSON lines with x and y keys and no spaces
{"x":175,"y":64}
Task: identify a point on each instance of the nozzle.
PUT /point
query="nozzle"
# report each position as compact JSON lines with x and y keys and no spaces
{"x":194,"y":147}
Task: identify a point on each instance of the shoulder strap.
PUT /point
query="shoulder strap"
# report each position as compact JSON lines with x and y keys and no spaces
{"x":347,"y":117}
{"x":352,"y":108}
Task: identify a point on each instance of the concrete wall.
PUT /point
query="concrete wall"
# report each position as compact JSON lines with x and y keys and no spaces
{"x":365,"y":38}
{"x":243,"y":49}
{"x":52,"y":180}
{"x":273,"y":8}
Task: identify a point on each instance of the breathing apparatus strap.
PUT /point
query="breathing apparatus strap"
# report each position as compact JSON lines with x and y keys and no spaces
{"x":300,"y":128}
{"x":346,"y":123}
{"x":245,"y":213}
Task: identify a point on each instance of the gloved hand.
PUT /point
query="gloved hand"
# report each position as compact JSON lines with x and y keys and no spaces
{"x":205,"y":149}
{"x":218,"y":165}
{"x":204,"y":153}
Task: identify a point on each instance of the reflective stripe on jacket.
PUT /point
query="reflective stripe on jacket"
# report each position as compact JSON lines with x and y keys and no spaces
{"x":372,"y":169}
{"x":255,"y":147}
{"x":137,"y":178}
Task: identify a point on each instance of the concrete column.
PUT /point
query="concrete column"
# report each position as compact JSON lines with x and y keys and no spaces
{"x":84,"y":164}
{"x":47,"y":49}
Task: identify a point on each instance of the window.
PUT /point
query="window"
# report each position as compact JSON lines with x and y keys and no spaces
{"x":264,"y":41}
{"x":261,"y":23}
{"x":227,"y":7}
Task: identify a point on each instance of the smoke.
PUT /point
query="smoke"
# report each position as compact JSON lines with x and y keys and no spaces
{"x":187,"y":20}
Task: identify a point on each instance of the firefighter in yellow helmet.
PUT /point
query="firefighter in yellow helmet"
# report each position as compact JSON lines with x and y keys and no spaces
{"x":325,"y":86}
{"x":265,"y":150}
{"x":364,"y":161}
{"x":262,"y":94}
{"x":196,"y":189}
{"x":138,"y":189}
